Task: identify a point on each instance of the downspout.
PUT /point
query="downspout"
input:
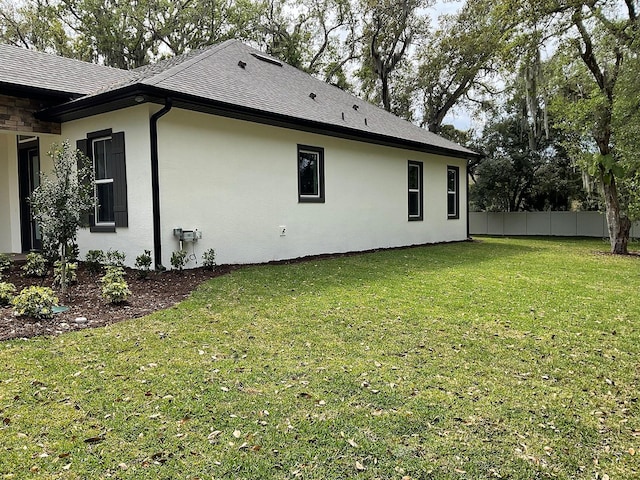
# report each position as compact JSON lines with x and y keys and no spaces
{"x":467,"y":182}
{"x":155,"y":183}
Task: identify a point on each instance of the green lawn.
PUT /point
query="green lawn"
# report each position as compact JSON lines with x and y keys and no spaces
{"x":503,"y":358}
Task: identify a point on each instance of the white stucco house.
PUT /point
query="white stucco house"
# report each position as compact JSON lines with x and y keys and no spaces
{"x":263,"y":160}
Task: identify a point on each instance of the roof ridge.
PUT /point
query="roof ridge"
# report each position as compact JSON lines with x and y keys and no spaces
{"x":181,"y":66}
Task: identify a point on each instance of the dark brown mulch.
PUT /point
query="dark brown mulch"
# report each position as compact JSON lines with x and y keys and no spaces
{"x":87,"y":309}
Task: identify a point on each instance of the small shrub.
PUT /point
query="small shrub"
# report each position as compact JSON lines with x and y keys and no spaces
{"x":7,"y":292}
{"x":143,"y":264}
{"x":36,"y":265}
{"x":37,"y":302}
{"x":71,"y":270}
{"x":5,"y":263}
{"x":73,"y":253}
{"x":94,"y":260}
{"x":209,"y":259}
{"x":114,"y":287}
{"x":179,"y":259}
{"x":115,"y":258}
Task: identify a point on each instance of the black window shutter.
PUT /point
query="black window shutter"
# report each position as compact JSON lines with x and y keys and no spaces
{"x":119,"y":180}
{"x":87,"y":218}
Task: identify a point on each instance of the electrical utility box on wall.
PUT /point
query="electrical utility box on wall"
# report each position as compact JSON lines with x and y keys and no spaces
{"x":187,"y":235}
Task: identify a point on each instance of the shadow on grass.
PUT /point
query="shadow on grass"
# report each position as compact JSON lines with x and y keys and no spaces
{"x":358,"y":268}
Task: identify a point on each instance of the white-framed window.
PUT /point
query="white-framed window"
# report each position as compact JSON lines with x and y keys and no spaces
{"x":310,"y":174}
{"x":453,"y":202}
{"x":415,"y":194}
{"x":103,"y":170}
{"x":105,"y":150}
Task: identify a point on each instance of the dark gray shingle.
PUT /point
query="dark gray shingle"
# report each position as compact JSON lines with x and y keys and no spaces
{"x":214,"y":75}
{"x":28,"y":68}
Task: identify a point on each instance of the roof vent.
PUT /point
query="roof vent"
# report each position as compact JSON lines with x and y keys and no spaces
{"x":312,"y":96}
{"x":343,"y":115}
{"x":355,"y":107}
{"x":242,"y":64}
{"x":266,"y":59}
{"x":365,"y":122}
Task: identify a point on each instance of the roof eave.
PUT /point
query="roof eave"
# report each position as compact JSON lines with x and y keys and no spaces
{"x":15,"y":90}
{"x":126,"y":97}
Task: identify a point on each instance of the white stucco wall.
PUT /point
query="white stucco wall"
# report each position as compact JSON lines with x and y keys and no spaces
{"x":10,"y":235}
{"x":236,"y":182}
{"x":138,"y":236}
{"x":8,"y":196}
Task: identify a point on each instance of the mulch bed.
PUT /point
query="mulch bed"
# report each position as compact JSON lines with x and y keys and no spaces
{"x":87,"y":309}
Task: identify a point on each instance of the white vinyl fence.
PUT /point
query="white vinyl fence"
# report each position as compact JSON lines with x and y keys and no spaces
{"x":561,"y":224}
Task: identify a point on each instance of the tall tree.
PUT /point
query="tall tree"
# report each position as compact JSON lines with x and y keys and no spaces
{"x":320,"y":37}
{"x":590,"y":68}
{"x":390,"y":28}
{"x":34,"y":25}
{"x":456,"y":63}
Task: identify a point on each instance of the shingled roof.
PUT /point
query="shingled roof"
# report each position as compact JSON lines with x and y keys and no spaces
{"x":53,"y":74}
{"x":236,"y":80}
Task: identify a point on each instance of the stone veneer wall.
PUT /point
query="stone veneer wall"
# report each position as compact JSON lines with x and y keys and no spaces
{"x":17,"y":114}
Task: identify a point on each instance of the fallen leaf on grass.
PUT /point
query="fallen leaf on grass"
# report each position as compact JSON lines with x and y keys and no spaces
{"x":92,"y":440}
{"x":213,"y":436}
{"x":360,"y":467}
{"x":352,"y":443}
{"x":160,"y":457}
{"x":237,"y":434}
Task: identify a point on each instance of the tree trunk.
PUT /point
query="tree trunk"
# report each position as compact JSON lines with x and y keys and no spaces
{"x":63,"y":268}
{"x":619,"y":225}
{"x":386,"y":100}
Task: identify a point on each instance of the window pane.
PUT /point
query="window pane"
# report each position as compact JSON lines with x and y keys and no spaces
{"x":104,"y":197}
{"x":451,"y":205}
{"x":414,"y":204}
{"x":451,"y":185}
{"x":308,"y":171}
{"x":101,"y":155}
{"x":414,"y":177}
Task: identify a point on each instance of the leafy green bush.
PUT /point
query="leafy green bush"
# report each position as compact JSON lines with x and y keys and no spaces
{"x":36,"y":265}
{"x":143,"y":264}
{"x":37,"y":302}
{"x":5,"y":263}
{"x":115,"y":258}
{"x":73,"y":252}
{"x":179,"y":259}
{"x":7,"y":291}
{"x":95,"y":259}
{"x":209,"y":259}
{"x":71,"y":272}
{"x":114,"y":287}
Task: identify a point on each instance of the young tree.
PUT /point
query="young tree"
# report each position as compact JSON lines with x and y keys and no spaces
{"x":60,"y":200}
